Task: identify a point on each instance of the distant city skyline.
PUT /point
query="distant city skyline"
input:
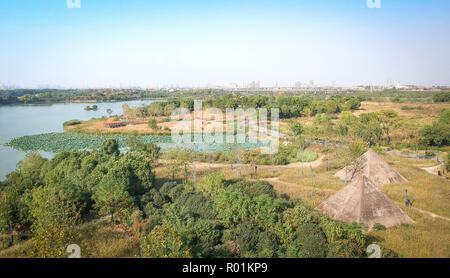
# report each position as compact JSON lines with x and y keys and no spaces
{"x":150,"y":44}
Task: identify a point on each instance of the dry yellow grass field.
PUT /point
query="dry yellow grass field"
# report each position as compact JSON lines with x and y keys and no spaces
{"x":96,"y":240}
{"x":415,"y":109}
{"x":429,"y":237}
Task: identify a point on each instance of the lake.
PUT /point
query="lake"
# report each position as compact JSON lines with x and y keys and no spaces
{"x":21,"y":120}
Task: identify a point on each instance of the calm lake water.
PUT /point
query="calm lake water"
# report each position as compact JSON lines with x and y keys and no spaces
{"x":20,"y":120}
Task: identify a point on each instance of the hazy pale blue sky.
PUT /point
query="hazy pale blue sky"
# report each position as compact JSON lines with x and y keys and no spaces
{"x":150,"y":43}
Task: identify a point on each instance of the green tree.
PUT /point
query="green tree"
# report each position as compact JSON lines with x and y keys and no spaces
{"x":212,"y":183}
{"x":179,"y":158}
{"x":438,"y":133}
{"x":151,"y":152}
{"x":163,"y":242}
{"x":442,"y":97}
{"x":26,"y":98}
{"x":13,"y":207}
{"x":388,"y":120}
{"x":331,"y":107}
{"x":369,"y":128}
{"x":152,"y":124}
{"x":296,"y":129}
{"x":110,"y":146}
{"x":112,"y":197}
{"x":54,"y":218}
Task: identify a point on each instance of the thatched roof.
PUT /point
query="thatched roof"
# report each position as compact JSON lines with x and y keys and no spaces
{"x":372,"y":166}
{"x":363,"y":202}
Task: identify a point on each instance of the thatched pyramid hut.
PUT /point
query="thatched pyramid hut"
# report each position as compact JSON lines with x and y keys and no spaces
{"x":363,"y":202}
{"x":371,"y":165}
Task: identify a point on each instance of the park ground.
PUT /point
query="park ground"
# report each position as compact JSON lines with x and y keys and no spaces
{"x":429,"y":237}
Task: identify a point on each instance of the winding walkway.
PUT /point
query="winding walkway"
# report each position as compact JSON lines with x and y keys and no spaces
{"x":432,"y":170}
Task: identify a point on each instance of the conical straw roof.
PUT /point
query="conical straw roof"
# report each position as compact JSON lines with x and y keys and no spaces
{"x":363,"y":202}
{"x":371,"y":165}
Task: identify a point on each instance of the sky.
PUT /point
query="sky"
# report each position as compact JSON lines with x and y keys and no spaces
{"x":109,"y":43}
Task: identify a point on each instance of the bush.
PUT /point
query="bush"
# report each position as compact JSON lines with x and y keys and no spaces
{"x":309,"y":242}
{"x":247,"y":238}
{"x":71,"y":123}
{"x":442,"y":97}
{"x":5,"y":242}
{"x":166,"y":187}
{"x":379,"y":227}
{"x":212,"y":182}
{"x":296,"y":128}
{"x":435,"y":134}
{"x":197,"y":204}
{"x":163,"y":242}
{"x":344,"y":249}
{"x":152,"y":124}
{"x":280,"y":160}
{"x":306,"y":156}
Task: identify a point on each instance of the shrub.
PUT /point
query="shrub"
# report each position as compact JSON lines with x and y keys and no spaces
{"x":306,"y":156}
{"x":71,"y":123}
{"x":435,"y":134}
{"x":439,"y":132}
{"x":379,"y":227}
{"x":280,"y":159}
{"x":442,"y":97}
{"x":197,"y":204}
{"x":163,"y":242}
{"x":166,"y":187}
{"x":5,"y":242}
{"x":247,"y":238}
{"x":152,"y":124}
{"x":212,"y":183}
{"x":344,"y":249}
{"x":296,"y":128}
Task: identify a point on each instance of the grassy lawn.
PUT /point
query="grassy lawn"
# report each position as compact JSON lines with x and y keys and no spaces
{"x":428,"y":192}
{"x":427,"y":238}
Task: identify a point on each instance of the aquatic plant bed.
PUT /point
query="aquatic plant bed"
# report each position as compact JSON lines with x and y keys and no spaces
{"x":73,"y":141}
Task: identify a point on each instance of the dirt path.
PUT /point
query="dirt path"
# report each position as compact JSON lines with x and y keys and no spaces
{"x":431,"y":214}
{"x":206,"y":166}
{"x":432,"y":170}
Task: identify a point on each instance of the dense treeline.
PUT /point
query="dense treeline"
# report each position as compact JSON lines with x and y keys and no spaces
{"x":375,"y":128}
{"x":28,"y":96}
{"x":41,"y":96}
{"x":290,"y":106}
{"x":19,"y":96}
{"x":215,"y":218}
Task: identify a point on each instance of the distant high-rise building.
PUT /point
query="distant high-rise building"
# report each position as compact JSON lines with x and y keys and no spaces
{"x":255,"y":85}
{"x":233,"y":85}
{"x":298,"y":84}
